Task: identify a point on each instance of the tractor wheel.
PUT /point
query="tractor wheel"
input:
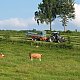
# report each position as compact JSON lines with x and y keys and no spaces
{"x":50,"y":40}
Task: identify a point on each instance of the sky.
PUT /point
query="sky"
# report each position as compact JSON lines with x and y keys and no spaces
{"x":19,"y":15}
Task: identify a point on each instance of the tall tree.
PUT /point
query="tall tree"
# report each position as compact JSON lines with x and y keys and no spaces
{"x":66,"y":11}
{"x":46,"y":12}
{"x":64,"y":21}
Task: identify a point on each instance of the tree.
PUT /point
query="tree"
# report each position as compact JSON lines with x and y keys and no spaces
{"x":66,"y":11}
{"x":64,"y":21}
{"x":46,"y":12}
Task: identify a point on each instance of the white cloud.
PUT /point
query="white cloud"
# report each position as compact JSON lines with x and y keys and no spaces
{"x":12,"y":22}
{"x":76,"y":21}
{"x":16,"y":23}
{"x":19,"y":23}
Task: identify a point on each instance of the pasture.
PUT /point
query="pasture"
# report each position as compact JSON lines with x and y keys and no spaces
{"x":56,"y":63}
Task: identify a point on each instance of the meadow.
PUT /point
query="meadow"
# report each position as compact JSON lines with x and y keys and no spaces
{"x":56,"y":64}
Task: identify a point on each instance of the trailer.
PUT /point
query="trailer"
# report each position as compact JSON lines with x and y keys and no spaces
{"x":40,"y":37}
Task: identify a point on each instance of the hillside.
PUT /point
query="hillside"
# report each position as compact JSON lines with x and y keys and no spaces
{"x":57,"y":63}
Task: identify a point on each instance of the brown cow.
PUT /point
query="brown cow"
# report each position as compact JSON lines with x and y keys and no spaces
{"x":35,"y":55}
{"x":1,"y":55}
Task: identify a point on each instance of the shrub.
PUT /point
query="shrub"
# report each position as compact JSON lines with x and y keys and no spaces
{"x":7,"y":36}
{"x":54,"y":45}
{"x":68,"y":31}
{"x":69,"y":40}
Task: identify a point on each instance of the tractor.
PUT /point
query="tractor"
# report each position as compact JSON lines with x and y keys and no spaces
{"x":55,"y":37}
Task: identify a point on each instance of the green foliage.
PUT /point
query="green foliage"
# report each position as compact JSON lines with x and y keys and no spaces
{"x":6,"y":36}
{"x":68,"y":31}
{"x":48,"y":31}
{"x":69,"y":39}
{"x":48,"y":11}
{"x":54,"y":45}
{"x":67,"y":11}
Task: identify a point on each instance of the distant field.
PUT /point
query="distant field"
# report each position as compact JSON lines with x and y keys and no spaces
{"x":56,"y":64}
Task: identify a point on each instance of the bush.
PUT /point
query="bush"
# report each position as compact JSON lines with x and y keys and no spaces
{"x":68,"y":31}
{"x":7,"y":36}
{"x":53,"y":45}
{"x":69,"y":40}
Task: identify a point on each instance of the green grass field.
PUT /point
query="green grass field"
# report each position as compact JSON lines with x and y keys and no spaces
{"x":56,"y":64}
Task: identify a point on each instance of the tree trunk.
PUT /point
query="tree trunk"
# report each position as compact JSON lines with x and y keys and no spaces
{"x":50,"y":26}
{"x":64,"y":28}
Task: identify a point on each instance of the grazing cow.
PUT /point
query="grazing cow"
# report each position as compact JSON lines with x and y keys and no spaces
{"x":1,"y":55}
{"x":35,"y":55}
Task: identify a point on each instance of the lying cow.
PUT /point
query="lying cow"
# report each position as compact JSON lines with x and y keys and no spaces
{"x":35,"y":55}
{"x":1,"y":55}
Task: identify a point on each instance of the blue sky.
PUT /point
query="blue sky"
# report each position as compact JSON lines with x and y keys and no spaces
{"x":19,"y":15}
{"x":18,"y":8}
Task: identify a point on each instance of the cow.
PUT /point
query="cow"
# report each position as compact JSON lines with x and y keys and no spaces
{"x":1,"y":55}
{"x":35,"y":56}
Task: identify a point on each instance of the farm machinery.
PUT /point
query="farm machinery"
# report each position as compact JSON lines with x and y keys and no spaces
{"x":40,"y":37}
{"x":54,"y":37}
